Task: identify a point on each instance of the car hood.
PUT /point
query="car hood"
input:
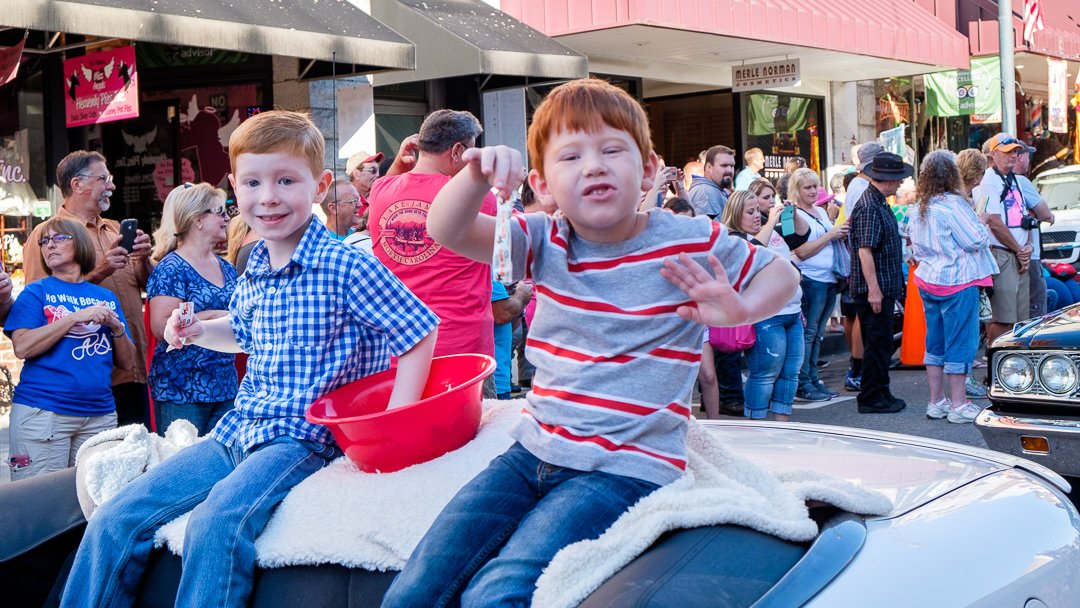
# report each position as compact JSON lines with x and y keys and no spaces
{"x":911,"y":471}
{"x":1059,"y":330}
{"x":1071,"y":217}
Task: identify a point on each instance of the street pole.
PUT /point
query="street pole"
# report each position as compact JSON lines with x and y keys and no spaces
{"x":1008,"y":78}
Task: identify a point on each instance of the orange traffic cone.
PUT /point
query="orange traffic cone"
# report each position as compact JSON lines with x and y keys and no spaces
{"x":913,"y":339}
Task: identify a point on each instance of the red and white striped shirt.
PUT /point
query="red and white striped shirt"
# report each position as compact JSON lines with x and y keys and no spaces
{"x":615,"y":365}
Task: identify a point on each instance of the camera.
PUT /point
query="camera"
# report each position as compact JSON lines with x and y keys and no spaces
{"x":1029,"y":223}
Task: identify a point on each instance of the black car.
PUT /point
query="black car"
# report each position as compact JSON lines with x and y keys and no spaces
{"x":1035,"y":392}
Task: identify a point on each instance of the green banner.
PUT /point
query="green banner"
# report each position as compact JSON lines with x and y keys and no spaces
{"x":965,"y":92}
{"x":768,"y":114}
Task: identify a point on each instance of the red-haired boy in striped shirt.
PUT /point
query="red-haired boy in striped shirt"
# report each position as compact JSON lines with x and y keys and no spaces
{"x":623,"y":298}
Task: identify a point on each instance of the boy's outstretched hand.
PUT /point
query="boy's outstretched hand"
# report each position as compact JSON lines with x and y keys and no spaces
{"x":174,"y":330}
{"x":718,"y":305}
{"x":499,"y":166}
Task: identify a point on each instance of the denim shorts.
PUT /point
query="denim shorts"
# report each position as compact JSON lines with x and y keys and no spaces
{"x":952,"y":329}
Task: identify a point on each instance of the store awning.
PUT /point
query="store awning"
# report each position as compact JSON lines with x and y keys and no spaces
{"x":327,"y":31}
{"x":1059,"y":39}
{"x":464,"y":37}
{"x":836,"y":40}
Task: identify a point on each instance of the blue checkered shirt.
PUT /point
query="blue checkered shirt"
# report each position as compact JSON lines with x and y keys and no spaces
{"x":330,"y":316}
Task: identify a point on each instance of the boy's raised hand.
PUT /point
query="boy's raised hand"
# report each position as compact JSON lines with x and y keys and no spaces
{"x":499,"y":166}
{"x":718,"y":305}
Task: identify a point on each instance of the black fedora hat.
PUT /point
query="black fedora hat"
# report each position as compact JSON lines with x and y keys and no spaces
{"x":887,"y":167}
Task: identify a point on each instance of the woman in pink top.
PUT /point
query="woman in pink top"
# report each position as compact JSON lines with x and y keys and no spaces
{"x":952,"y":246}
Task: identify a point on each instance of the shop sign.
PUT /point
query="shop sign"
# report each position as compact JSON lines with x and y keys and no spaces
{"x":101,"y":87}
{"x":1057,"y":86}
{"x":765,"y":75}
{"x":16,"y":195}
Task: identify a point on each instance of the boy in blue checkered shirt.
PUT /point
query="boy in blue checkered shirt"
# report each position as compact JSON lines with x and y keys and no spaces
{"x":314,"y":315}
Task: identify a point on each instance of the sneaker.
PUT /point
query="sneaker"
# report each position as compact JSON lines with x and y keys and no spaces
{"x":821,"y":387}
{"x":974,"y":389}
{"x":939,"y":410}
{"x":966,"y":412}
{"x":852,"y":383}
{"x":812,"y":395}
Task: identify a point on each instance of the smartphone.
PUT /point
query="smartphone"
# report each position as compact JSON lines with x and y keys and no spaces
{"x":128,"y":229}
{"x":787,"y":220}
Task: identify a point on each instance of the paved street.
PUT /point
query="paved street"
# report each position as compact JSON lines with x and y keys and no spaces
{"x":907,"y":384}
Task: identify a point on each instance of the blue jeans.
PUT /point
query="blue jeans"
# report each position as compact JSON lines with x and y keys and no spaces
{"x":774,"y":361}
{"x":492,"y":541}
{"x":818,"y":301}
{"x":232,"y":494}
{"x":952,"y":329}
{"x":204,"y":416}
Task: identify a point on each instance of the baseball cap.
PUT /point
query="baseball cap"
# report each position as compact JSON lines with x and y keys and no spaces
{"x":1003,"y":142}
{"x":360,"y":158}
{"x":867,"y":152}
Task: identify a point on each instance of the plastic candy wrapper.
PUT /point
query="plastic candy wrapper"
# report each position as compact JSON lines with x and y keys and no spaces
{"x":187,"y":317}
{"x":502,"y":267}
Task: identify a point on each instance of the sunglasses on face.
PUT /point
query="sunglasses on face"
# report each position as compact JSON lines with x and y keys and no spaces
{"x":57,"y":238}
{"x":105,"y":177}
{"x":222,"y":211}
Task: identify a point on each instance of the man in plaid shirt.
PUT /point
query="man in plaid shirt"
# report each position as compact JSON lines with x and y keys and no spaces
{"x":314,"y":314}
{"x":877,"y":280}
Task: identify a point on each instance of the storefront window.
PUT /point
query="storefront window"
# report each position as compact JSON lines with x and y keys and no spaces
{"x":784,"y":127}
{"x":23,"y":176}
{"x":684,"y":126}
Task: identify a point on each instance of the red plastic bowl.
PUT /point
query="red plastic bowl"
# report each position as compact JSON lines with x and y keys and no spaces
{"x":380,"y":440}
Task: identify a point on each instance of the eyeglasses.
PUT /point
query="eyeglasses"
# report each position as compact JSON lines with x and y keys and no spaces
{"x":348,"y":201}
{"x":222,"y":211}
{"x":371,"y":170}
{"x":106,"y":177}
{"x":57,"y":238}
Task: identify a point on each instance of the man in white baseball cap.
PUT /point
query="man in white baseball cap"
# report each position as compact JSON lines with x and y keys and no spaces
{"x":362,"y":169}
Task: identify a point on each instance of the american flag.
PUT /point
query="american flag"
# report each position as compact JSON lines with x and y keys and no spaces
{"x":1033,"y":19}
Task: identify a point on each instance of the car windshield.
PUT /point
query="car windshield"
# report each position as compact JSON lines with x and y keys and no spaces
{"x":1061,"y":191}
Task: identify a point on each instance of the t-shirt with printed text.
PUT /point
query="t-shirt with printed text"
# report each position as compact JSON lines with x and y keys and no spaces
{"x":456,"y":288}
{"x":74,"y":377}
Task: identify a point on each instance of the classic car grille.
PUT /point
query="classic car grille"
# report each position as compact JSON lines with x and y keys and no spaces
{"x":1037,"y":391}
{"x":1051,"y":238}
{"x":1063,"y":236}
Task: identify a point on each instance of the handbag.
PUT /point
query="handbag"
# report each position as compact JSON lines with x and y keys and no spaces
{"x":732,"y":339}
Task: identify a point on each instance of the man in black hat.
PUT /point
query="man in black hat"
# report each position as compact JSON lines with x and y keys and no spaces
{"x":877,"y":279}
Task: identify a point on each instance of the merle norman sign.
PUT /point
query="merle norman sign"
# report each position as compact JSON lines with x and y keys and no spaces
{"x":757,"y":76}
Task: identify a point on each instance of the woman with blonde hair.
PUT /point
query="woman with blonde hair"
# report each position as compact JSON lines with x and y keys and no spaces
{"x":776,"y":356}
{"x":952,"y":245}
{"x":71,"y":333}
{"x":820,"y":260}
{"x":240,"y":240}
{"x":972,"y":165}
{"x":191,"y":383}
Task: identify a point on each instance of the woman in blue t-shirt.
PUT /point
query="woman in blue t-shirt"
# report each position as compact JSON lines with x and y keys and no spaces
{"x":191,"y":383}
{"x":71,"y":333}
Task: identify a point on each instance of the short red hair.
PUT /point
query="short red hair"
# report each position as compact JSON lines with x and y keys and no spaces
{"x":587,"y":105}
{"x":279,"y":131}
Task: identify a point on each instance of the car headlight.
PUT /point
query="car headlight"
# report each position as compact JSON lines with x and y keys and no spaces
{"x":1016,"y":373}
{"x":1057,"y":374}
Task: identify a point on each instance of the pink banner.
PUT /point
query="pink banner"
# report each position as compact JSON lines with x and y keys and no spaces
{"x":9,"y":62}
{"x":101,"y":87}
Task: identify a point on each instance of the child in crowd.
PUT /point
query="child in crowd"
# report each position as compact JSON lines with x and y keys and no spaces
{"x":616,"y":341}
{"x":314,"y":314}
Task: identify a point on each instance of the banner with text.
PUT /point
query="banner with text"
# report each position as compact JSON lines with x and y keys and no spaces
{"x":101,"y":87}
{"x":1057,"y":87}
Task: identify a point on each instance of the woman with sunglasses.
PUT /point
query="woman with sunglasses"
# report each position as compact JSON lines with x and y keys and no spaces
{"x":194,"y":383}
{"x":70,"y":333}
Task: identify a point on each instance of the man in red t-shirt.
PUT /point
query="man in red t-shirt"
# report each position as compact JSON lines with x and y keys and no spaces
{"x":456,"y":288}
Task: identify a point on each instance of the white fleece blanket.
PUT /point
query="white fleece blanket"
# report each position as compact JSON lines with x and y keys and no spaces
{"x":368,"y":520}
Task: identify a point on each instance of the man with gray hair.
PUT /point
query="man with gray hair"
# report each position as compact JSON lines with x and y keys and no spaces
{"x":866,"y":153}
{"x":87,"y":188}
{"x":456,"y":288}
